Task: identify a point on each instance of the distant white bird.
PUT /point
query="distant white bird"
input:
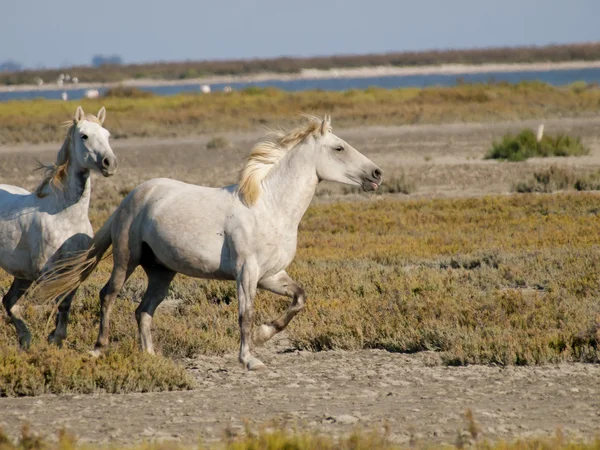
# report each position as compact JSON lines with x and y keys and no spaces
{"x":39,"y":81}
{"x":540,"y":133}
{"x":92,"y":93}
{"x":74,"y":80}
{"x":227,"y":89}
{"x":64,"y":96}
{"x":205,"y":88}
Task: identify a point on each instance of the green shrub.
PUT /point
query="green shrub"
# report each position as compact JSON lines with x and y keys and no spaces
{"x":525,"y":145}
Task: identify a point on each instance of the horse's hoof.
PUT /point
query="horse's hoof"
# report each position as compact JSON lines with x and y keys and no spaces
{"x":263,"y":334}
{"x":255,"y":364}
{"x":56,"y":340}
{"x":96,"y":353}
{"x":25,"y":341}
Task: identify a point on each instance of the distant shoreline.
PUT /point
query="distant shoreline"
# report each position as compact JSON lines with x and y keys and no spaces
{"x":311,"y":74}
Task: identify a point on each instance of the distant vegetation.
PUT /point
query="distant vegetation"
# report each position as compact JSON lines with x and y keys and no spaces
{"x":192,"y":114}
{"x":556,"y":178}
{"x":195,"y":69}
{"x":127,"y":92}
{"x":525,"y":145}
{"x":10,"y":66}
{"x":101,"y":60}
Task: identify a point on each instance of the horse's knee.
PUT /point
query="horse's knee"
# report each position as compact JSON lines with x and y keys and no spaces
{"x":299,"y":298}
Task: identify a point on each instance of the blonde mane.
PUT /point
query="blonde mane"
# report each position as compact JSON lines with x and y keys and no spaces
{"x":267,"y":153}
{"x":55,"y":174}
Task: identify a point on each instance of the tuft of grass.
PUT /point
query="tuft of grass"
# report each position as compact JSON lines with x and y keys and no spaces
{"x":46,"y":369}
{"x":525,"y":145}
{"x":217,"y":143}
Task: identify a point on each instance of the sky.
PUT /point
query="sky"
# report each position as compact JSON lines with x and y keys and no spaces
{"x":55,"y":33}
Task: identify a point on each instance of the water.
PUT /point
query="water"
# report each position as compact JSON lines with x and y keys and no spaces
{"x":553,"y":77}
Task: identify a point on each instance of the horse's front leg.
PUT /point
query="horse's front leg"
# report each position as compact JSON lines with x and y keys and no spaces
{"x":16,"y":291}
{"x":62,"y":319}
{"x":280,"y":284}
{"x":246,"y":288}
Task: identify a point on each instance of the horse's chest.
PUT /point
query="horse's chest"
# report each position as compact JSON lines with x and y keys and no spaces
{"x":280,"y":253}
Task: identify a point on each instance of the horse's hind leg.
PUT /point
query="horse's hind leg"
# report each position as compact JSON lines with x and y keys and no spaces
{"x":62,"y":319}
{"x":281,"y":284}
{"x":17,"y":289}
{"x":108,"y":295}
{"x":159,"y":279}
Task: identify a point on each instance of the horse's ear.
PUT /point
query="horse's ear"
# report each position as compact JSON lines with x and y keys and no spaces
{"x":326,"y":125}
{"x":79,"y":114}
{"x":101,"y":115}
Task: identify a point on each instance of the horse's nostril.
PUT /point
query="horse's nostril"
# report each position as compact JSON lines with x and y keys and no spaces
{"x":105,"y":163}
{"x":377,"y":173}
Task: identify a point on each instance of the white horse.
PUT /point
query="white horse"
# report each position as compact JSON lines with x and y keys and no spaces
{"x":245,"y":232}
{"x":37,"y":229}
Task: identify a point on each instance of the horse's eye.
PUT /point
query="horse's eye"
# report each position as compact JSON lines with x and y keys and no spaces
{"x":84,"y":136}
{"x":339,"y":149}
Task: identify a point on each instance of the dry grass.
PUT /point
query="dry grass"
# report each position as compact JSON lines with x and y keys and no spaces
{"x":187,"y":115}
{"x":284,"y":440}
{"x":507,"y":280}
{"x":556,"y":178}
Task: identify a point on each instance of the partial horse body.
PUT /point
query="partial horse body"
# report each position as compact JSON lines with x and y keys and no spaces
{"x":245,"y":232}
{"x":38,"y":229}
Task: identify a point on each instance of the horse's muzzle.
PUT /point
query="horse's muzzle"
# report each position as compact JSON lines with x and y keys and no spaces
{"x":372,"y":182}
{"x":108,"y":166}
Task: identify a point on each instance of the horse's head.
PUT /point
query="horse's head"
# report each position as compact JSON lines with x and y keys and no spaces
{"x":90,"y":143}
{"x":339,"y":161}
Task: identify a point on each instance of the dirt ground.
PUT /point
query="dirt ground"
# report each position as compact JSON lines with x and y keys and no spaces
{"x":333,"y":392}
{"x":436,"y":160}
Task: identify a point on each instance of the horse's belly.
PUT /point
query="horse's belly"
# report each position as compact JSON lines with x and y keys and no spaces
{"x":191,"y":255}
{"x":18,"y":264}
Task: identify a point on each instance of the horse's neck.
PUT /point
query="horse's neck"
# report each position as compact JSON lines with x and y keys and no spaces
{"x":291,"y":185}
{"x":77,"y":189}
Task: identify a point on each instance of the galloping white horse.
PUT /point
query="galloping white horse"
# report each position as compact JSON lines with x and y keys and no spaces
{"x":38,"y":229}
{"x":245,"y":232}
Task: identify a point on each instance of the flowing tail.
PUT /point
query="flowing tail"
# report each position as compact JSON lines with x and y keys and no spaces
{"x":67,"y":274}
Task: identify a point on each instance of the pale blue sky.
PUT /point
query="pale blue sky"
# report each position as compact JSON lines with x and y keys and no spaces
{"x":60,"y":32}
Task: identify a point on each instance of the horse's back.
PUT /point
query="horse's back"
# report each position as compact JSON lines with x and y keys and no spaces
{"x":13,"y":190}
{"x":182,"y":223}
{"x":14,"y":221}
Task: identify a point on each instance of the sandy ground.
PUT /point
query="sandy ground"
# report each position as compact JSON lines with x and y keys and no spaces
{"x":333,"y":392}
{"x":311,"y":74}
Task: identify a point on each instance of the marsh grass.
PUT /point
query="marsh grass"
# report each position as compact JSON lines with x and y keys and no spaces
{"x":192,"y":114}
{"x":556,"y":178}
{"x":525,"y":145}
{"x":502,"y":280}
